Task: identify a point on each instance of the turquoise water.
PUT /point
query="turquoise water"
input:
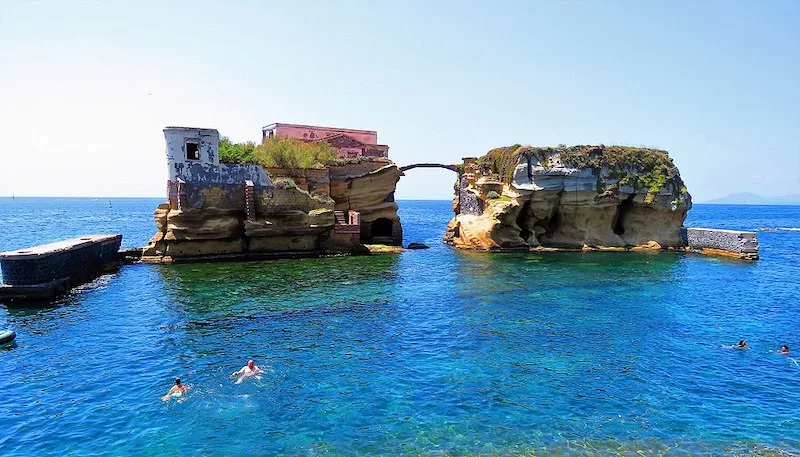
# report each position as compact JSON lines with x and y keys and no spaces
{"x":432,"y":352}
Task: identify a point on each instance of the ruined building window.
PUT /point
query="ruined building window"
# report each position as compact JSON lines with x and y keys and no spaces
{"x":192,"y":151}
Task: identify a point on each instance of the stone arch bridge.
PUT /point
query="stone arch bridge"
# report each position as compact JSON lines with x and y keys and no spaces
{"x":429,"y":165}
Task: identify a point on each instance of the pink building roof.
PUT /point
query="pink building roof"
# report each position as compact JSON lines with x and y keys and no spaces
{"x":314,"y":132}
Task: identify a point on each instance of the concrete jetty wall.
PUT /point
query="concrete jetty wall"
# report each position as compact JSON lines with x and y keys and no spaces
{"x":729,"y":243}
{"x":46,"y":270}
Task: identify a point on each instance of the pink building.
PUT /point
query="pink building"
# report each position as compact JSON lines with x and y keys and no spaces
{"x":348,"y":142}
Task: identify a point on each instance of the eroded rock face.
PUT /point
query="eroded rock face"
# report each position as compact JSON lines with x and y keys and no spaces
{"x":589,"y":197}
{"x":215,"y":232}
{"x":287,"y":219}
{"x":371,"y":194}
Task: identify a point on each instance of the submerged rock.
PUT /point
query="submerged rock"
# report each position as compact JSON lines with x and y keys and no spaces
{"x":579,"y":197}
{"x":417,"y":246}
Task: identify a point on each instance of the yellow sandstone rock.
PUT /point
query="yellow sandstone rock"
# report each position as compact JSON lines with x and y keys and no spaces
{"x":581,"y":197}
{"x":287,"y":218}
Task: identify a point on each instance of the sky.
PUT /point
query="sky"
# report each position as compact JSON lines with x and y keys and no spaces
{"x":87,"y":87}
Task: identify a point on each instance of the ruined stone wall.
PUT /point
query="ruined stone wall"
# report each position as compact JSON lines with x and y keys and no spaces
{"x":468,"y":201}
{"x":223,"y":173}
{"x":282,"y":199}
{"x":737,"y":243}
{"x":200,"y":179}
{"x":202,"y":195}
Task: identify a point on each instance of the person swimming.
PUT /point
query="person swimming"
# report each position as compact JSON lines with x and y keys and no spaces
{"x":742,"y":345}
{"x":784,"y":350}
{"x":247,"y":371}
{"x":177,"y":391}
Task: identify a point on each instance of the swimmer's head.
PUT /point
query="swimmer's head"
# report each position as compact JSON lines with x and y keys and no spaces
{"x":250,"y":363}
{"x":742,"y":343}
{"x":177,"y":381}
{"x":784,"y":348}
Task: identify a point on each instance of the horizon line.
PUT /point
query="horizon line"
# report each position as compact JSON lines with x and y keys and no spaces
{"x":147,"y":197}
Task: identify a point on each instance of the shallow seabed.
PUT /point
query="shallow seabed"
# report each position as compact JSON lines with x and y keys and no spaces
{"x":432,"y":352}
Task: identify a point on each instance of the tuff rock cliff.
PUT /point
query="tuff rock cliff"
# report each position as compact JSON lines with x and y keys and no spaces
{"x":579,"y":197}
{"x":288,"y":220}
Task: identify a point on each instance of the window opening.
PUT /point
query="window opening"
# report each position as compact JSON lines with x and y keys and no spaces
{"x":192,"y":151}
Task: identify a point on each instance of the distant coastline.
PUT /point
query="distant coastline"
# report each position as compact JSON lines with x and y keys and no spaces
{"x":747,"y":198}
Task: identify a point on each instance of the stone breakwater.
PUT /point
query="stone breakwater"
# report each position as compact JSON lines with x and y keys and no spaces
{"x":728,"y":243}
{"x":47,"y":270}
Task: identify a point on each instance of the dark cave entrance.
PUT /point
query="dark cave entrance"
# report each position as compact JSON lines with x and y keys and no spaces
{"x":550,"y":225}
{"x":522,"y":221}
{"x":623,"y":209}
{"x":381,"y":228}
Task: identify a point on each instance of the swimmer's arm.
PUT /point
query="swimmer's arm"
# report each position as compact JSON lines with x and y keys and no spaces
{"x":169,"y":392}
{"x":237,"y":372}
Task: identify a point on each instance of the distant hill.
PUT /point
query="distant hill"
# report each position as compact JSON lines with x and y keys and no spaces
{"x":747,"y":198}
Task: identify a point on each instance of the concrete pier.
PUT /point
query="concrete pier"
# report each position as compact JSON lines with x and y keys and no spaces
{"x":726,"y":243}
{"x":47,"y":270}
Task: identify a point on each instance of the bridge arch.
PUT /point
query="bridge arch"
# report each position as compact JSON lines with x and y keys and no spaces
{"x":429,"y":165}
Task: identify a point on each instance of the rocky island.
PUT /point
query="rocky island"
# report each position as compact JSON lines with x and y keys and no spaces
{"x":605,"y":198}
{"x":224,"y":201}
{"x":309,"y":191}
{"x":578,"y":197}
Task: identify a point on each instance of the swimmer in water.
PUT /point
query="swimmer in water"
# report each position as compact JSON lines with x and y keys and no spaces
{"x":249,"y":370}
{"x":784,"y":350}
{"x":742,"y":345}
{"x":178,"y":391}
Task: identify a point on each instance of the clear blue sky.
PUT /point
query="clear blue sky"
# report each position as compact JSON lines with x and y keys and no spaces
{"x":86,"y":87}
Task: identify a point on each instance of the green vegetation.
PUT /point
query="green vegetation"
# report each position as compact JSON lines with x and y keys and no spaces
{"x":288,"y":183}
{"x":339,"y":161}
{"x":280,"y":153}
{"x":236,"y":152}
{"x":636,"y":167}
{"x":291,"y":153}
{"x":501,"y":161}
{"x":492,"y":195}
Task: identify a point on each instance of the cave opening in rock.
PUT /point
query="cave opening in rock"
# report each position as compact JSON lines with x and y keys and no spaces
{"x":550,"y":226}
{"x":623,"y":209}
{"x":381,"y":228}
{"x":523,"y":220}
{"x":555,"y":221}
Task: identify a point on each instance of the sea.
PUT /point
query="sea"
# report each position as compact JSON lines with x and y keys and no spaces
{"x":430,"y":352}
